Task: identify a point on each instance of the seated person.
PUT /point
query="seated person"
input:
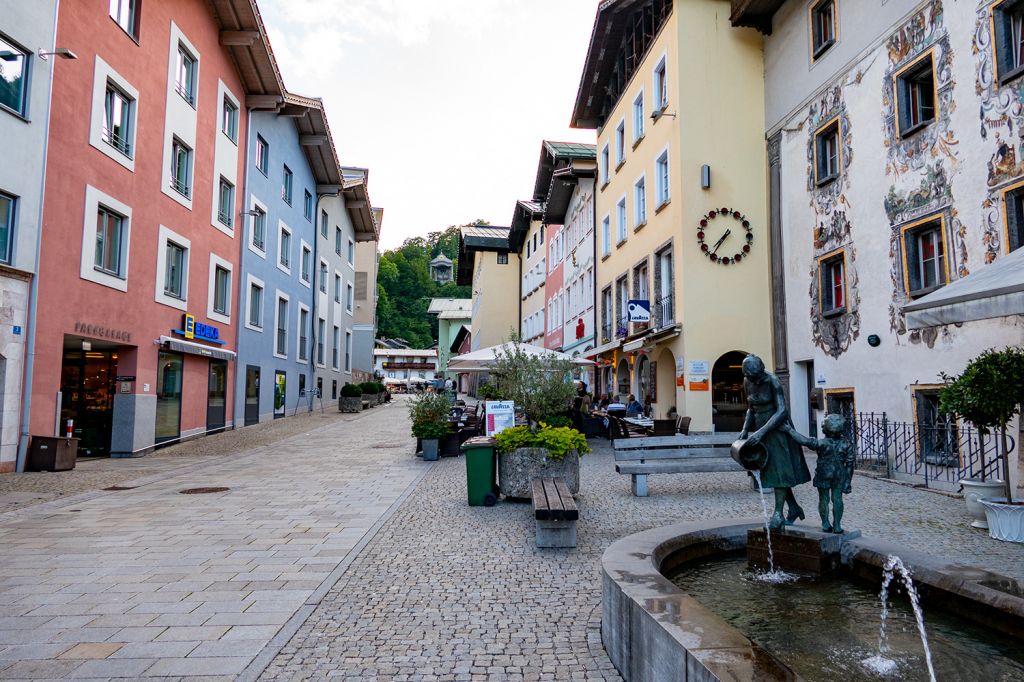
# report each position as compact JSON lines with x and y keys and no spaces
{"x":603,"y":405}
{"x":586,"y":402}
{"x":634,"y":407}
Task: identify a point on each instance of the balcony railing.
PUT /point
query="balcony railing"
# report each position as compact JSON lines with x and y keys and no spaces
{"x":117,"y":142}
{"x":224,"y":216}
{"x":663,"y":313}
{"x":181,"y":187}
{"x":282,"y":342}
{"x":408,"y":365}
{"x":622,"y":327}
{"x":606,"y":332}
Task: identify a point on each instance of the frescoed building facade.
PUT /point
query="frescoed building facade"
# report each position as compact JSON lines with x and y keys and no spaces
{"x":896,"y":198}
{"x":142,"y":220}
{"x":674,"y":95}
{"x":24,"y":116}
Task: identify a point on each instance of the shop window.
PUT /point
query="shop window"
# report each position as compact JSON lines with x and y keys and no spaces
{"x":126,"y":14}
{"x":185,"y":75}
{"x":14,"y":72}
{"x":8,"y":206}
{"x":226,"y":203}
{"x":262,"y":155}
{"x":229,"y":119}
{"x":823,"y":26}
{"x":828,"y":154}
{"x":924,"y":257}
{"x":832,"y":282}
{"x":915,"y":96}
{"x":1014,"y":201}
{"x":1008,"y":22}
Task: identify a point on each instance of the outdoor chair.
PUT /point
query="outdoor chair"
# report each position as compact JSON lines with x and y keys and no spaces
{"x":664,"y":427}
{"x":618,"y":429}
{"x":683,"y":425}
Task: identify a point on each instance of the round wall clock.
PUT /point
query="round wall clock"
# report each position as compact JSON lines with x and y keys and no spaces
{"x":725,"y":236}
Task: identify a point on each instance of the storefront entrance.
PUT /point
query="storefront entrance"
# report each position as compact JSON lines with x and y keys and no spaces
{"x":87,"y":397}
{"x":217,"y":394}
{"x":280,"y":393}
{"x":729,"y":400}
{"x":252,"y":395}
{"x":169,"y":373}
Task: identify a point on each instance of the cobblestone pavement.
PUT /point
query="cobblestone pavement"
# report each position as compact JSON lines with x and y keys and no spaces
{"x":149,"y":582}
{"x":451,"y":592}
{"x":31,"y":488}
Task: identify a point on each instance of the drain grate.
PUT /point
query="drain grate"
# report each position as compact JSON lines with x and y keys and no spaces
{"x":203,"y":491}
{"x":122,"y":487}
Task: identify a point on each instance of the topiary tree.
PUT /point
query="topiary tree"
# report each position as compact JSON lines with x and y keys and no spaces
{"x":988,"y":394}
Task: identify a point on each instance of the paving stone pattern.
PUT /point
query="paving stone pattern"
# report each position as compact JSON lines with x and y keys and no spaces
{"x":150,"y":582}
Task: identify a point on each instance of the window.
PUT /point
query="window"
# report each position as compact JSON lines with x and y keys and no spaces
{"x":661,"y":86}
{"x":226,"y":202}
{"x":661,"y":175}
{"x":109,"y":242}
{"x":348,"y":351}
{"x":1008,"y":21}
{"x":604,"y":165}
{"x":255,"y":306}
{"x":664,"y":283}
{"x":937,"y":432}
{"x":606,"y":236}
{"x":1014,"y":200}
{"x":323,"y":277}
{"x":607,"y":315}
{"x":7,"y":215}
{"x":640,"y":202}
{"x":281,"y":345}
{"x":832,"y":282}
{"x":181,"y":168}
{"x":823,"y":27}
{"x":221,"y":290}
{"x":351,"y":257}
{"x":828,"y":156}
{"x":176,"y":261}
{"x":229,"y":119}
{"x":259,"y":228}
{"x":323,"y":222}
{"x":185,"y":75}
{"x":124,"y":12}
{"x":284,"y":249}
{"x":118,"y":113}
{"x":502,"y":259}
{"x":306,"y":264}
{"x":321,"y":336}
{"x":262,"y":155}
{"x":337,"y":288}
{"x":303,"y":333}
{"x":638,"y":117}
{"x":337,"y":240}
{"x":620,"y":144}
{"x":527,"y":248}
{"x":915,"y":95}
{"x":620,"y":220}
{"x":924,"y":256}
{"x":286,"y":186}
{"x":14,"y":77}
{"x":307,"y":205}
{"x":335,"y":346}
{"x":348,"y":297}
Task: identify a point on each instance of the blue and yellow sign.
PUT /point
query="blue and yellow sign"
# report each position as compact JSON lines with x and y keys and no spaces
{"x":190,"y":326}
{"x":197,"y":330}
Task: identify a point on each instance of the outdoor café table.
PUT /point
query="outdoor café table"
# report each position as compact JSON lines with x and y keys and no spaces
{"x":641,"y":422}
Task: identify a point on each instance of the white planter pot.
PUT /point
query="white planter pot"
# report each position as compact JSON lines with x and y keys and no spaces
{"x":1005,"y":521}
{"x":974,"y":490}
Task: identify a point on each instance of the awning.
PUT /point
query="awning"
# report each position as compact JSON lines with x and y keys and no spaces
{"x":633,"y":346}
{"x":594,"y":352}
{"x":192,"y":348}
{"x":995,"y":290}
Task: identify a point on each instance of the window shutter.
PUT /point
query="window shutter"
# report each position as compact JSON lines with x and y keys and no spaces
{"x":913,"y":273}
{"x":361,"y":291}
{"x":1014,"y":219}
{"x":1003,"y":41}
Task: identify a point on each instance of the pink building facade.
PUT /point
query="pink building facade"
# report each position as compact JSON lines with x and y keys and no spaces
{"x":554,"y":290}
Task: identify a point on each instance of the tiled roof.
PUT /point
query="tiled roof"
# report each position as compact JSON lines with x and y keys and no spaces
{"x":447,"y":305}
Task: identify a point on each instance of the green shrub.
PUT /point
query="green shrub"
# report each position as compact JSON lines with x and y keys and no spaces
{"x":429,"y":415}
{"x":368,"y":387}
{"x":558,"y":420}
{"x":351,"y":391}
{"x":431,"y":430}
{"x":557,"y":440}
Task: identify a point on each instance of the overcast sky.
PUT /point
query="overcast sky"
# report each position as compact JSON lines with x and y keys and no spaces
{"x":445,"y":101}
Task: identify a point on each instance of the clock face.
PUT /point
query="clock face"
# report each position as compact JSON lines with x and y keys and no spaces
{"x":725,"y":236}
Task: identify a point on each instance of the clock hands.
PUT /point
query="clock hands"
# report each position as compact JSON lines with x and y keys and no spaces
{"x":720,"y":240}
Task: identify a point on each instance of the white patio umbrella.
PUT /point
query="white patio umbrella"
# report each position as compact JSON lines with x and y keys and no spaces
{"x":483,"y":360}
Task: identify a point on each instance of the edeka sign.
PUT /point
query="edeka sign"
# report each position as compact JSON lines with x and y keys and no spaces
{"x":197,"y":330}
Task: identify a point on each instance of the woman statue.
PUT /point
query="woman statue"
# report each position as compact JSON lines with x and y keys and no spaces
{"x":766,"y":416}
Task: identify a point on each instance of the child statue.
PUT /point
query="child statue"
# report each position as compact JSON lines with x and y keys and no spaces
{"x":834,"y":472}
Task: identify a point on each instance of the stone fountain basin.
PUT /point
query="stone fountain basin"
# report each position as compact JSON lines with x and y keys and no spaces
{"x":653,"y":631}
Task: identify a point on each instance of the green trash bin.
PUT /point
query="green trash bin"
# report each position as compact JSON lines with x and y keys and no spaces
{"x":481,"y":487}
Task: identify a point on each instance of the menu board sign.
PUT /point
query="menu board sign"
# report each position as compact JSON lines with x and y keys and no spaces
{"x":500,"y":415}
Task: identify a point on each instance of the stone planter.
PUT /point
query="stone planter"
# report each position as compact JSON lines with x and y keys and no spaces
{"x":430,"y":449}
{"x":370,"y":399}
{"x":974,"y":490}
{"x":517,"y":469}
{"x":353,"y":404}
{"x":380,"y":398}
{"x":1005,"y":521}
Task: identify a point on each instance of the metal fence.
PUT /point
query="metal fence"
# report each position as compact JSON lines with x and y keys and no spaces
{"x":937,"y":455}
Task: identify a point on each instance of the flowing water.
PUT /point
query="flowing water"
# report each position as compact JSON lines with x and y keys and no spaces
{"x":772,"y":575}
{"x":880,"y":663}
{"x":825,"y":628}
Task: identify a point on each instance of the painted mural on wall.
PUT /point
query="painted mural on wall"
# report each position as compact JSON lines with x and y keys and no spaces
{"x":832,"y":229}
{"x":922,"y":164}
{"x":1002,"y":132}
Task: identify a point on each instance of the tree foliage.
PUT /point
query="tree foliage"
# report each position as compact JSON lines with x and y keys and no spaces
{"x":405,"y":288}
{"x":539,"y":384}
{"x":990,"y":390}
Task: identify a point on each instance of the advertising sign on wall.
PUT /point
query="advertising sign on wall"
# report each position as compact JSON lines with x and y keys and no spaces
{"x":500,"y":415}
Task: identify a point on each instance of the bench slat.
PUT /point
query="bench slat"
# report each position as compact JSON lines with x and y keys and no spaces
{"x":690,"y":453}
{"x":572,"y":512}
{"x":540,"y":499}
{"x":703,"y":441}
{"x":555,"y":508}
{"x":681,"y":467}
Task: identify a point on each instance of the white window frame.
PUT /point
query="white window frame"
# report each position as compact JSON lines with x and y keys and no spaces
{"x":336,"y":348}
{"x":639,"y":124}
{"x":606,"y":235}
{"x":604,"y":163}
{"x":278,"y":296}
{"x":350,"y":255}
{"x":94,"y":198}
{"x":249,"y":282}
{"x":640,"y":201}
{"x":254,"y":204}
{"x":215,"y":262}
{"x":303,"y":249}
{"x":658,"y":194}
{"x":621,"y":218}
{"x":165,"y":236}
{"x":347,"y":350}
{"x":180,"y":118}
{"x":322,"y":272}
{"x":283,"y":227}
{"x":620,"y":143}
{"x":338,"y":281}
{"x":350,"y":295}
{"x":102,"y":74}
{"x":320,"y":344}
{"x":659,"y":84}
{"x":298,"y":334}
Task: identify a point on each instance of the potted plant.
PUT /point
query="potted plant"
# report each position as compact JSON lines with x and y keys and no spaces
{"x":431,"y":433}
{"x":988,"y":394}
{"x":369,"y":392}
{"x":526,"y":453}
{"x":351,"y":399}
{"x":429,"y":415}
{"x":381,"y":393}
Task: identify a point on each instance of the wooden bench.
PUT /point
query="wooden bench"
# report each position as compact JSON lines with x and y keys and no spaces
{"x":678,"y":454}
{"x":555,"y":513}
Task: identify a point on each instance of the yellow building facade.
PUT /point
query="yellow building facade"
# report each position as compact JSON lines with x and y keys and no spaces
{"x":486,"y":263}
{"x":676,"y":96}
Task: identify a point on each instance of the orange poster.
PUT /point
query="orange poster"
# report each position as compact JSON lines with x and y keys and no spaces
{"x":699,"y":383}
